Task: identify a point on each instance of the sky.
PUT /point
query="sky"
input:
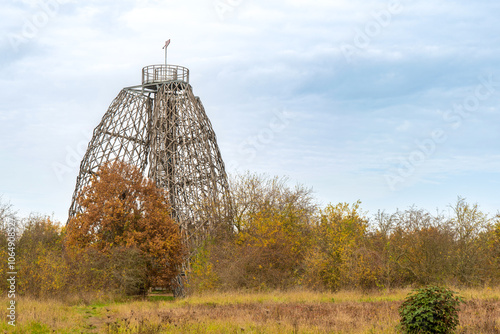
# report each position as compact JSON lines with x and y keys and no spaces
{"x":394,"y":103}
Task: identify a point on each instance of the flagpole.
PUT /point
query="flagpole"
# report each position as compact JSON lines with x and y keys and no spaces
{"x":165,"y":47}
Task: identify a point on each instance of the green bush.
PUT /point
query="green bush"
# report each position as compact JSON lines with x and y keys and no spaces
{"x":430,"y":310}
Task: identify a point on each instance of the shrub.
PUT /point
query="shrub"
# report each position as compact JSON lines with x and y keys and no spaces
{"x":430,"y":310}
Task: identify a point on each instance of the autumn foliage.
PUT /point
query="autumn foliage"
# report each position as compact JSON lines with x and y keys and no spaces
{"x":123,"y":209}
{"x":282,"y":240}
{"x":124,"y":241}
{"x":270,"y":240}
{"x":337,"y":255}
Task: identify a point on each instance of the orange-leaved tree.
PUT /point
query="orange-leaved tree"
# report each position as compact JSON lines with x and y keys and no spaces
{"x":122,"y":208}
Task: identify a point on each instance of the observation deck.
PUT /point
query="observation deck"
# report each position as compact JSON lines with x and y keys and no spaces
{"x":153,"y":75}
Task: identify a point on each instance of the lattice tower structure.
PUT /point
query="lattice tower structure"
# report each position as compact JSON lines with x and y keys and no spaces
{"x":162,"y":128}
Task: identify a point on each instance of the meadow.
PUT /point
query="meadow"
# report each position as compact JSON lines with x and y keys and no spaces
{"x":244,"y":312}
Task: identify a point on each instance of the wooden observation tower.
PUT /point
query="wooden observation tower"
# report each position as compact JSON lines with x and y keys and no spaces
{"x":161,"y":127}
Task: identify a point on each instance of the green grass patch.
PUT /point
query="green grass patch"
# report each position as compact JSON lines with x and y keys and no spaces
{"x":33,"y":327}
{"x":161,"y":298}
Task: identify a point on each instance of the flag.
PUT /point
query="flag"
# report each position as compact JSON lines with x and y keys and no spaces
{"x":166,"y":44}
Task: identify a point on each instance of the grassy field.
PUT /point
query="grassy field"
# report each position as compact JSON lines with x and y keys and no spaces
{"x":271,"y":312}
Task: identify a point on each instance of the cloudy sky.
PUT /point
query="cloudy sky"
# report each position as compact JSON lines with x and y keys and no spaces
{"x":391,"y":102}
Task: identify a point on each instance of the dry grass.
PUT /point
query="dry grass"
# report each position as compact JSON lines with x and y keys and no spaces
{"x":272,"y":312}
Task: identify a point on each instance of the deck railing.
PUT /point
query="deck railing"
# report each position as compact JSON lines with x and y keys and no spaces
{"x":153,"y":74}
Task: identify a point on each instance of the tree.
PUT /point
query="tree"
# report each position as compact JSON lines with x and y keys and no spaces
{"x":41,"y":262}
{"x":273,"y":222}
{"x":336,"y":256}
{"x":7,"y":217}
{"x":421,"y":247}
{"x":495,"y":247}
{"x":8,"y":237}
{"x":122,"y":208}
{"x":471,"y":226}
{"x":271,"y":237}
